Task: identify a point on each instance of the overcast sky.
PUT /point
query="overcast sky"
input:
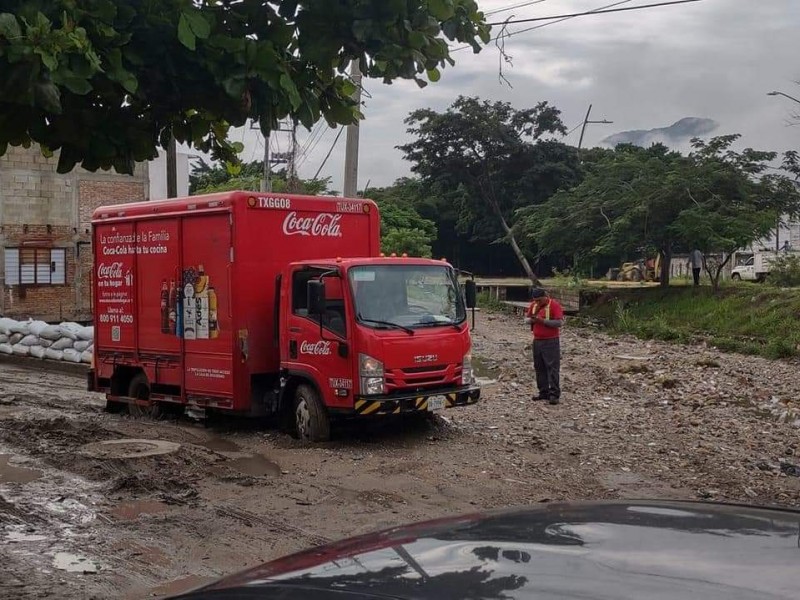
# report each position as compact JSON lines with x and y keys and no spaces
{"x":713,"y":59}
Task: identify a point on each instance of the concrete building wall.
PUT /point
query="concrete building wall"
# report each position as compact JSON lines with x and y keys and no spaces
{"x":42,"y":209}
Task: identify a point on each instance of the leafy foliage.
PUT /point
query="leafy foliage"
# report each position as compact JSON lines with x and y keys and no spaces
{"x":635,"y":200}
{"x":207,"y":179}
{"x":403,"y":230}
{"x":106,"y":82}
{"x":490,"y":160}
{"x":785,"y":271}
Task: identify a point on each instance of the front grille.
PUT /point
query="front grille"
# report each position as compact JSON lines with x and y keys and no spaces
{"x":425,"y":369}
{"x":415,"y":378}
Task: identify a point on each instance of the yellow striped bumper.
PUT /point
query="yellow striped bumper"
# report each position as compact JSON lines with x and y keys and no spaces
{"x":410,"y":404}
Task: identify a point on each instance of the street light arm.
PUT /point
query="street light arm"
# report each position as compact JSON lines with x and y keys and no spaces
{"x":784,"y":95}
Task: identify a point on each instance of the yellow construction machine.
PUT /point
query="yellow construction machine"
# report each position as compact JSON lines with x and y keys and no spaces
{"x":645,"y":269}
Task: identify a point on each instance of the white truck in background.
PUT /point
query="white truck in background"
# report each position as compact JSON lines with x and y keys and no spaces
{"x":757,"y":266}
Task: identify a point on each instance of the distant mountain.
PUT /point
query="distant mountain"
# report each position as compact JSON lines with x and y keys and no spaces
{"x":678,"y":132}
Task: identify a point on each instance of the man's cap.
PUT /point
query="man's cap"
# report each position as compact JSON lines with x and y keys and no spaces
{"x":538,"y":293}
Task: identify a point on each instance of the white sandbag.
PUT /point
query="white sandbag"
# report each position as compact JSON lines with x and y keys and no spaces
{"x":81,"y":345}
{"x":20,"y":350}
{"x":20,"y":327}
{"x":3,"y":338}
{"x":36,"y":327}
{"x":86,"y":333}
{"x":53,"y":354}
{"x":70,"y":330}
{"x":51,"y":332}
{"x":72,"y":355}
{"x":29,"y":340}
{"x":62,"y":344}
{"x":5,"y":325}
{"x":37,"y":351}
{"x":6,"y":349}
{"x":45,"y":343}
{"x":86,"y":357}
{"x":14,"y":338}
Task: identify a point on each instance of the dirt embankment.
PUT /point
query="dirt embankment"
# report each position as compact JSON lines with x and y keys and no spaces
{"x":168,"y":505}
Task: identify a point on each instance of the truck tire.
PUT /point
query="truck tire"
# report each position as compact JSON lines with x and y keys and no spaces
{"x":311,"y":421}
{"x":139,"y":388}
{"x":736,"y":277}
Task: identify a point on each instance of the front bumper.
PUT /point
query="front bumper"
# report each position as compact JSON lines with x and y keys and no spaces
{"x":398,"y":404}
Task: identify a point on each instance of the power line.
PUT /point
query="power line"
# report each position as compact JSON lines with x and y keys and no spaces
{"x":503,"y":34}
{"x":593,"y":12}
{"x":327,"y":156}
{"x":514,"y":7}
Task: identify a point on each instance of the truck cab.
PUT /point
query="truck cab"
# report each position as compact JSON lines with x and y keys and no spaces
{"x":372,"y":336}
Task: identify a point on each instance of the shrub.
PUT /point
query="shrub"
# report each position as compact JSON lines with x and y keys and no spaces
{"x":785,"y":271}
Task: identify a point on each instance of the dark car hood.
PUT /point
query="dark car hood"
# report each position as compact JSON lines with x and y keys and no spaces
{"x":610,"y":550}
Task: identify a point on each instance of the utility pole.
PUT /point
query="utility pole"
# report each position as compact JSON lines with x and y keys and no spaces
{"x":266,"y":180}
{"x":172,"y":168}
{"x":586,"y":122}
{"x":351,"y":151}
{"x":292,"y":183}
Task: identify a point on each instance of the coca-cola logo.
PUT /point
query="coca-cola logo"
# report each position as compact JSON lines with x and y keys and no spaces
{"x":111,"y":271}
{"x":321,"y":348}
{"x":322,"y":225}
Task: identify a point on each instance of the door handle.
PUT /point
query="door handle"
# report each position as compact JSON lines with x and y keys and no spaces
{"x":295,"y":330}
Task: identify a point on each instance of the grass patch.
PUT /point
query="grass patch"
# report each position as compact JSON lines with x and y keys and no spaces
{"x":750,"y":319}
{"x":487,"y":302}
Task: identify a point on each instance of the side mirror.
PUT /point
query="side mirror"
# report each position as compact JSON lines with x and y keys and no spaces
{"x":471,"y":293}
{"x":316,"y":298}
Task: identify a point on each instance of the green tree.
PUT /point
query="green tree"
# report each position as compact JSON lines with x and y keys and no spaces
{"x":207,"y":179}
{"x":636,"y":200}
{"x":106,"y":82}
{"x":491,"y":160}
{"x":403,"y":230}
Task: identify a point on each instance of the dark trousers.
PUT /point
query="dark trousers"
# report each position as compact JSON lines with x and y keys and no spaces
{"x":547,"y":362}
{"x":696,"y":275}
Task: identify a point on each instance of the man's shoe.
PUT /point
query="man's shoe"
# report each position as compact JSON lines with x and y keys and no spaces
{"x":554,"y":401}
{"x":539,"y":397}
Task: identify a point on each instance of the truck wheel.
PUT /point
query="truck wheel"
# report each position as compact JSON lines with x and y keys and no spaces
{"x":736,"y":277}
{"x":139,"y":388}
{"x":311,"y":420}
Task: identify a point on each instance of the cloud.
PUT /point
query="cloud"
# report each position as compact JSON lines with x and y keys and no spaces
{"x":677,"y":133}
{"x":641,"y":70}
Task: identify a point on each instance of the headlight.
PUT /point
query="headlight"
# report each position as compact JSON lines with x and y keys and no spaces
{"x":467,"y":374}
{"x":370,"y":372}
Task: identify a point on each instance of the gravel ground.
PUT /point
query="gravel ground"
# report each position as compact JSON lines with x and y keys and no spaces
{"x":144,"y":519}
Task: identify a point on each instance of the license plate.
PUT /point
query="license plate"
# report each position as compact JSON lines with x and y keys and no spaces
{"x":436,"y":403}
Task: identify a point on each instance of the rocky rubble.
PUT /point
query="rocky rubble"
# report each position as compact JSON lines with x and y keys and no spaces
{"x":658,"y":416}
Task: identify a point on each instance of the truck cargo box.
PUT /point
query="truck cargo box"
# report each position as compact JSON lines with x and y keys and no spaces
{"x":185,"y":290}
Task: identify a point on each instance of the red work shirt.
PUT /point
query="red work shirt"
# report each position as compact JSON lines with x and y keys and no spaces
{"x":550,"y":311}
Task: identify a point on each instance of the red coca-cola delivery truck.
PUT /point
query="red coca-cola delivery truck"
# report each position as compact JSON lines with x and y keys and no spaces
{"x":265,"y":304}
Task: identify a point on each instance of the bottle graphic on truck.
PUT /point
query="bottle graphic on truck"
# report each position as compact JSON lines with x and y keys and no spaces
{"x":199,"y":304}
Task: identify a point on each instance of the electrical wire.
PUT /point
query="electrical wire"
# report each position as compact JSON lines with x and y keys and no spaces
{"x":514,"y":7}
{"x":593,"y":12}
{"x":504,"y":34}
{"x":338,"y":135}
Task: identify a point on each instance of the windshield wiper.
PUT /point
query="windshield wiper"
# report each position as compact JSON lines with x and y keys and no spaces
{"x":408,"y":330}
{"x":457,"y":326}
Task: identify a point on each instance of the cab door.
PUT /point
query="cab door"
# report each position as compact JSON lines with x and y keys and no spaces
{"x":321,"y":350}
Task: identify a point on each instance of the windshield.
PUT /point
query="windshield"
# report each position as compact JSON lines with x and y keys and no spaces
{"x":406,"y":296}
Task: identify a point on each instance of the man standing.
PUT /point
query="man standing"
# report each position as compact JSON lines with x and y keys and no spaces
{"x":545,"y":316}
{"x":695,"y":263}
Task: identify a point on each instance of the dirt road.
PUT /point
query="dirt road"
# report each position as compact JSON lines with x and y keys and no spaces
{"x":186,"y":504}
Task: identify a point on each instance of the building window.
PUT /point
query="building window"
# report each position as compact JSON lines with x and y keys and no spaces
{"x":36,"y":266}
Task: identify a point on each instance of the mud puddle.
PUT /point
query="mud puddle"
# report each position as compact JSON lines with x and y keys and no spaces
{"x":13,"y":474}
{"x":74,"y":563}
{"x":218,"y":444}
